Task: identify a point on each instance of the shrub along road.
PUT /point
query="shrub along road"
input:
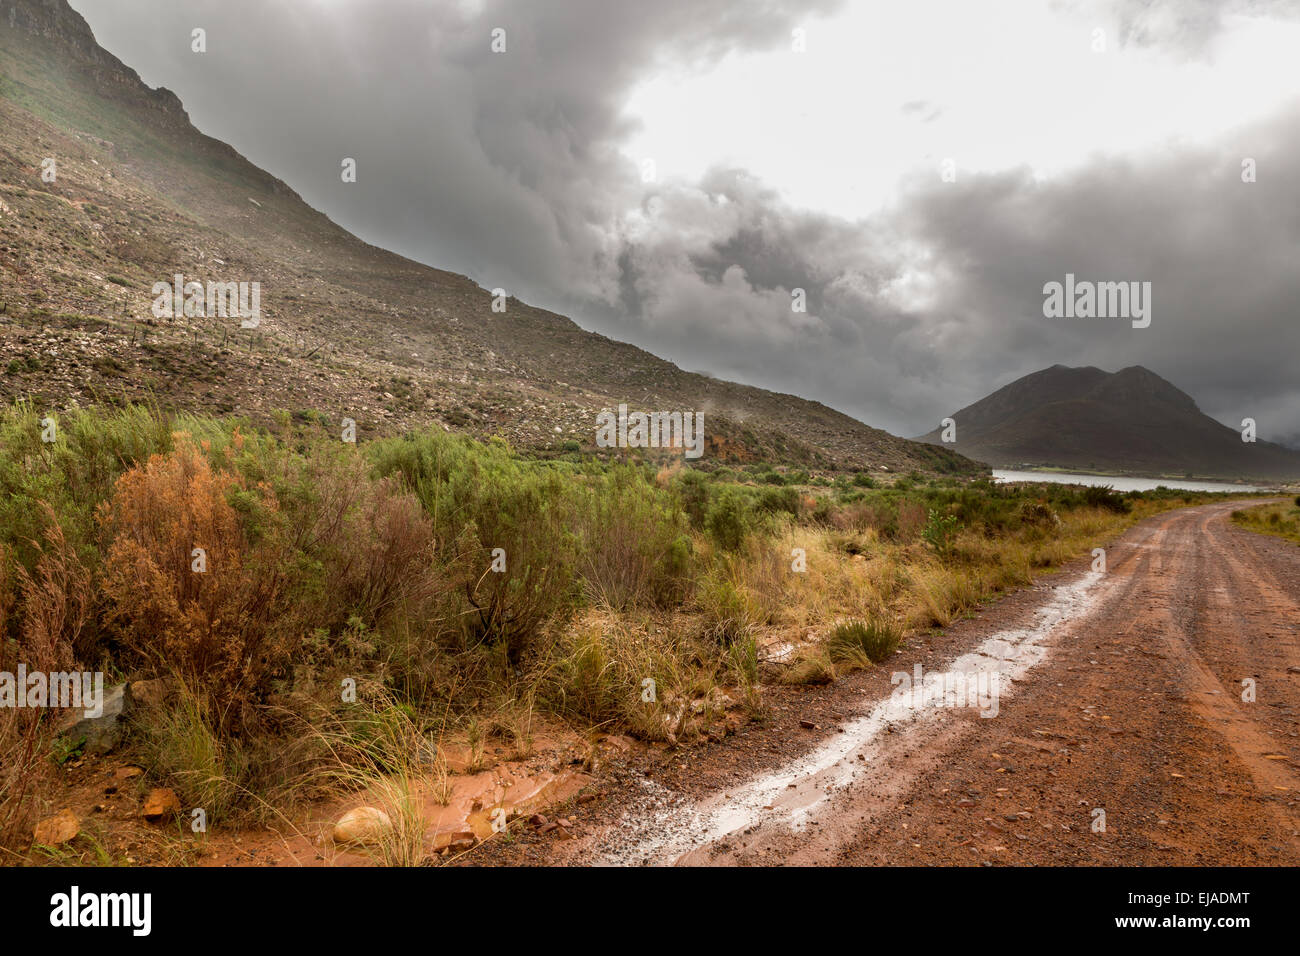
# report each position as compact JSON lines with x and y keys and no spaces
{"x":1129,"y":735}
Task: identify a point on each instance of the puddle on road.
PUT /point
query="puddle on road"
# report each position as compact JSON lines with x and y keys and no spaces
{"x":792,"y":794}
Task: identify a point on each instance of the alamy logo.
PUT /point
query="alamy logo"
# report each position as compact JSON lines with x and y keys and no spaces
{"x":134,"y":910}
{"x":1102,"y":300}
{"x":61,"y":689}
{"x":216,"y":299}
{"x":683,"y":430}
{"x":956,"y":688}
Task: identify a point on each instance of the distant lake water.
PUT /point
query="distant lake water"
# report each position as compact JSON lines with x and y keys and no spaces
{"x":1118,"y":482}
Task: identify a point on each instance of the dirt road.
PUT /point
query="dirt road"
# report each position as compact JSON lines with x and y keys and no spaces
{"x":1145,"y":714}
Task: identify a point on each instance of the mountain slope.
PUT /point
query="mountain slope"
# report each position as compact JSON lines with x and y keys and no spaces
{"x":347,"y":329}
{"x":1131,"y":420}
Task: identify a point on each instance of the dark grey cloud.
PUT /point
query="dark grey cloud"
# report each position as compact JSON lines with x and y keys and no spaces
{"x":501,"y":166}
{"x":507,"y":167}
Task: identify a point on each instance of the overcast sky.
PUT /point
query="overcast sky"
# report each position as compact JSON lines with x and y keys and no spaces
{"x":800,"y":145}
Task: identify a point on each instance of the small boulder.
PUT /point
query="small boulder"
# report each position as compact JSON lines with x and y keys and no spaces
{"x":151,"y":694}
{"x":160,"y":804}
{"x":103,"y":733}
{"x":455,"y":839}
{"x":362,"y":825}
{"x":60,"y":828}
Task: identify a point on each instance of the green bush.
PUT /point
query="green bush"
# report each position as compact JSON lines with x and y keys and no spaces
{"x":692,"y":489}
{"x":1037,"y":514}
{"x":481,"y":499}
{"x":728,"y":521}
{"x":875,"y":640}
{"x":635,"y":543}
{"x":787,"y":499}
{"x":939,"y":531}
{"x":1101,"y":497}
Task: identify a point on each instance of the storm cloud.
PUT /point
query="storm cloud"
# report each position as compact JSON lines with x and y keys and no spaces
{"x":511,"y":168}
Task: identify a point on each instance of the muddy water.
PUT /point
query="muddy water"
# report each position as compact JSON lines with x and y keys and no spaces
{"x":794,"y":794}
{"x":478,"y":803}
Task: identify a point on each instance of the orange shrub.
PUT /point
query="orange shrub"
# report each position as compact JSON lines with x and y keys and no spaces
{"x":219,"y":616}
{"x":54,"y":603}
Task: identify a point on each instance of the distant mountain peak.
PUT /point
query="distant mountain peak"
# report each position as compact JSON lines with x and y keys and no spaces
{"x":1088,"y":419}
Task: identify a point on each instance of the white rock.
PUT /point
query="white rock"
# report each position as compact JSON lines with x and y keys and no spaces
{"x":362,"y":825}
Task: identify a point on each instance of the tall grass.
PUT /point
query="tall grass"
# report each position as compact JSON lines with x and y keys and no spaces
{"x":1280,"y":519}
